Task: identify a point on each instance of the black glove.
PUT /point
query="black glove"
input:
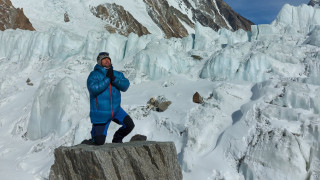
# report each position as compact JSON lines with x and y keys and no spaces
{"x":110,"y":74}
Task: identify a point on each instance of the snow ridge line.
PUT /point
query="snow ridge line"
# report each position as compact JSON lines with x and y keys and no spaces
{"x":215,"y":4}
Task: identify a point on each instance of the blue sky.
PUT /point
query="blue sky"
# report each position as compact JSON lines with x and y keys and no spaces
{"x":261,"y":11}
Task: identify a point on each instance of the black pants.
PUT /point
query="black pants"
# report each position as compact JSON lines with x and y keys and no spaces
{"x":99,"y":131}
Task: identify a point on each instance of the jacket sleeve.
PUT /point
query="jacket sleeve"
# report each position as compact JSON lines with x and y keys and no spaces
{"x":96,"y":85}
{"x":121,"y":82}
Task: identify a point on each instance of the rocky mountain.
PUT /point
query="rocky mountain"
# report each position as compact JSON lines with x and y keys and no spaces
{"x":314,"y":3}
{"x":175,"y":18}
{"x":13,"y":18}
{"x":173,"y":21}
{"x":118,"y":20}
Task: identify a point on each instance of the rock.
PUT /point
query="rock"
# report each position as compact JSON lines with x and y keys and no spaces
{"x":216,"y":15}
{"x":119,"y":20}
{"x":159,"y":104}
{"x":168,"y":19}
{"x":66,"y":17}
{"x":197,"y":98}
{"x":29,"y":82}
{"x":87,"y":142}
{"x":197,"y":57}
{"x":133,"y":160}
{"x":164,"y":106}
{"x":235,"y":20}
{"x":314,"y":3}
{"x":138,"y":137}
{"x":13,"y":18}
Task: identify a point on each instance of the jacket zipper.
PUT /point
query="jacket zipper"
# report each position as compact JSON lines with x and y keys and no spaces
{"x":97,"y":103}
{"x":111,"y":101}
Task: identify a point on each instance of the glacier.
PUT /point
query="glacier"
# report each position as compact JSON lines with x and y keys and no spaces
{"x":259,"y":120}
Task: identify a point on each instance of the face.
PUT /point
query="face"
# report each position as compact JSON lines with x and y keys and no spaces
{"x":106,"y":62}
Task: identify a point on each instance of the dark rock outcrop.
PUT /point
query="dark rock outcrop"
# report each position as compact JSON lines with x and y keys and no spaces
{"x":314,"y":3}
{"x":235,"y":20}
{"x":214,"y":14}
{"x":138,"y":137}
{"x":119,"y":20}
{"x":167,"y":18}
{"x":66,"y":17}
{"x":134,"y":160}
{"x":12,"y":18}
{"x":218,"y":15}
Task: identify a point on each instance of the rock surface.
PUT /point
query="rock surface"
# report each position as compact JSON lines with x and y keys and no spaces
{"x":159,"y":104}
{"x":118,"y":20}
{"x":138,"y":137}
{"x":12,"y":18}
{"x":168,"y":18}
{"x":133,"y":160}
{"x":197,"y":98}
{"x":314,"y":3}
{"x":173,"y":22}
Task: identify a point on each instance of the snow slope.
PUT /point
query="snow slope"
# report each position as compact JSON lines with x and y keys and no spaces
{"x":259,"y":120}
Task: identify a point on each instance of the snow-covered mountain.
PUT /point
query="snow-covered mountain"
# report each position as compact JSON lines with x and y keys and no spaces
{"x":174,"y":18}
{"x":261,"y":89}
{"x":12,"y":18}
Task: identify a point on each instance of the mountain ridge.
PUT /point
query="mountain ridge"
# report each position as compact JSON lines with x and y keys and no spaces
{"x":13,"y":18}
{"x":161,"y":17}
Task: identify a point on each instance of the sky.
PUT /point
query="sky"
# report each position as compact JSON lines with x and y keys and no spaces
{"x":261,"y":11}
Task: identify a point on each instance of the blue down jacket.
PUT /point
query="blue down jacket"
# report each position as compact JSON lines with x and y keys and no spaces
{"x":105,"y":98}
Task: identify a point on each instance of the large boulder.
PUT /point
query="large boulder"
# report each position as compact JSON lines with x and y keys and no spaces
{"x":133,"y":160}
{"x":159,"y":104}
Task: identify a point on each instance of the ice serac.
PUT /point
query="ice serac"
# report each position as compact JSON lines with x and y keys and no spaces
{"x":133,"y":160}
{"x":299,"y":19}
{"x":119,"y":20}
{"x":51,"y":110}
{"x":12,"y":18}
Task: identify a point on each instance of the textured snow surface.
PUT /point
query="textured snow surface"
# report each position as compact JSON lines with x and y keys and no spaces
{"x":259,"y":120}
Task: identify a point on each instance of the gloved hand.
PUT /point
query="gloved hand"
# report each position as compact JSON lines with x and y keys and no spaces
{"x":110,"y":74}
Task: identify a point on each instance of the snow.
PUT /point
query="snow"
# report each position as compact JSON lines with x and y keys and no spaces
{"x":259,"y":120}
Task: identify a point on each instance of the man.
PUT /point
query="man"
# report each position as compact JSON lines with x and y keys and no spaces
{"x":104,"y":85}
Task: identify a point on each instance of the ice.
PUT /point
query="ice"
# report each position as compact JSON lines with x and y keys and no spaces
{"x":314,"y":38}
{"x":162,"y":58}
{"x":208,"y":39}
{"x":51,"y":110}
{"x":261,"y":91}
{"x":300,"y":18}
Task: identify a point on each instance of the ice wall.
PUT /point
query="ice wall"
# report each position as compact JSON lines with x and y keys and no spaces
{"x":314,"y":37}
{"x":255,"y":62}
{"x":208,"y":39}
{"x":58,"y":106}
{"x":283,"y":131}
{"x":299,"y":18}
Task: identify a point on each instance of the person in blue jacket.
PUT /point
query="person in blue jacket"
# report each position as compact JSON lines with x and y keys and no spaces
{"x":104,"y":85}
